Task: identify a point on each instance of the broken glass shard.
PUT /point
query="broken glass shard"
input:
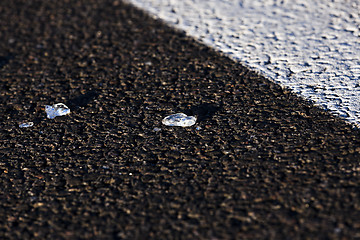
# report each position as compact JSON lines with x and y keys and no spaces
{"x":26,"y":125}
{"x":56,"y":110}
{"x":179,"y":120}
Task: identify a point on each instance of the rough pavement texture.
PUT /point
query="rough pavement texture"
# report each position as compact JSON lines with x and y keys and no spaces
{"x":264,"y":163}
{"x":312,"y":47}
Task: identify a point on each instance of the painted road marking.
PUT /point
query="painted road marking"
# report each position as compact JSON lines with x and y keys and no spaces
{"x":311,"y":47}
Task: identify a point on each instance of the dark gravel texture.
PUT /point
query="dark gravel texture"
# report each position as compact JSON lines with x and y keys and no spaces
{"x":264,"y":165}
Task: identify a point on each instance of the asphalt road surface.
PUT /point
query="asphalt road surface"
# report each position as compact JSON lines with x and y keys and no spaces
{"x":260,"y":163}
{"x":311,"y":47}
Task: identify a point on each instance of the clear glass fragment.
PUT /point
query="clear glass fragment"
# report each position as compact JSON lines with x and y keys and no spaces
{"x":156,"y":129}
{"x":179,"y":120}
{"x":26,"y":124}
{"x":56,"y":110}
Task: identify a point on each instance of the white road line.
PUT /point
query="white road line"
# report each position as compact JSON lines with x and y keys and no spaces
{"x":311,"y":47}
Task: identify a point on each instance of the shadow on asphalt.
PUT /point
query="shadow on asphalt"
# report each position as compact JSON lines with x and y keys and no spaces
{"x":204,"y":111}
{"x":5,"y":60}
{"x":82,"y":100}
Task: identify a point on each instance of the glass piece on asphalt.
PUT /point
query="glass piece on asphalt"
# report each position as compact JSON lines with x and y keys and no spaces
{"x":179,"y":120}
{"x":56,"y":110}
{"x":156,"y":129}
{"x":26,"y":124}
